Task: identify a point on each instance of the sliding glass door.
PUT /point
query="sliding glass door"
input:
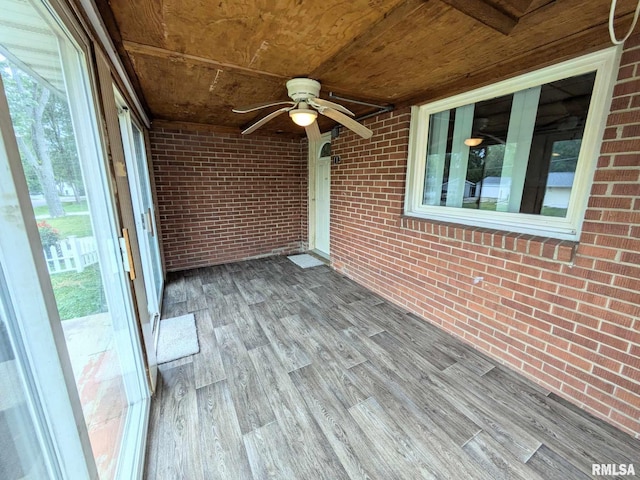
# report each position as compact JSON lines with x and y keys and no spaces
{"x":143,"y":209}
{"x":63,"y":174}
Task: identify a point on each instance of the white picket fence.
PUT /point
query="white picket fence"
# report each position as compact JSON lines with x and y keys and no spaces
{"x":71,"y":254}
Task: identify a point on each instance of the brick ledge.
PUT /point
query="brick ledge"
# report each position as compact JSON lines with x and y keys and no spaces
{"x":550,"y":248}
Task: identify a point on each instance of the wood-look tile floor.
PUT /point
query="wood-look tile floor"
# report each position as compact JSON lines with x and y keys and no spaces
{"x":303,"y":374}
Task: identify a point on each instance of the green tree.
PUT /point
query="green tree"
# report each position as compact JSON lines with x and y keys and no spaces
{"x":28,"y":100}
{"x":565,"y":155}
{"x":63,"y":151}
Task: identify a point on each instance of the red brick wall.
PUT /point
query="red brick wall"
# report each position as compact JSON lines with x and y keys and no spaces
{"x":223,"y":197}
{"x":565,"y":315}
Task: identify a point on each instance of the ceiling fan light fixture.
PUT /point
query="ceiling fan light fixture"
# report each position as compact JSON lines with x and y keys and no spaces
{"x":303,"y":116}
{"x":306,"y":107}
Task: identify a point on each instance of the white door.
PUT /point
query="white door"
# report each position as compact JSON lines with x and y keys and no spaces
{"x":323,"y":194}
{"x":143,"y":210}
{"x":60,"y":252}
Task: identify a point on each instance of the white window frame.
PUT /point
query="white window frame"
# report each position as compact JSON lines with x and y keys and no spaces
{"x":604,"y":63}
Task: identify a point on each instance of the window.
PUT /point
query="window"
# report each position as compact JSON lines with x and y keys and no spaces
{"x":518,"y":155}
{"x":325,"y":151}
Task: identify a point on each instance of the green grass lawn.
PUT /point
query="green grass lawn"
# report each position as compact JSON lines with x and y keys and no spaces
{"x":554,"y":212}
{"x":484,"y":205}
{"x":78,"y":225}
{"x":69,"y":207}
{"x":546,"y":211}
{"x":79,"y":294}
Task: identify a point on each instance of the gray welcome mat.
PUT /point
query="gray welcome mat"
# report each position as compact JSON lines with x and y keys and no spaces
{"x":177,"y":338}
{"x":305,"y":260}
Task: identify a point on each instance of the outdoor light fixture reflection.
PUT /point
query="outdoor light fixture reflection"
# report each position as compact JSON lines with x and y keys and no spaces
{"x":303,"y":117}
{"x":473,"y":142}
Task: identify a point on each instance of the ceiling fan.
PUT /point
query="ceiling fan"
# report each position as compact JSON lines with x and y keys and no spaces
{"x":303,"y":109}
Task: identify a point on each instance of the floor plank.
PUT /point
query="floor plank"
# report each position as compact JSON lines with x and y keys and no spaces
{"x":154,"y":436}
{"x":345,"y":437}
{"x":330,"y":371}
{"x":327,"y":336}
{"x":269,"y":455}
{"x":496,"y":460}
{"x":391,"y":442}
{"x":313,"y":457}
{"x":437,"y":404}
{"x":249,"y":292}
{"x":495,"y":421}
{"x":289,"y":350}
{"x":177,"y":453}
{"x":559,"y":425}
{"x":304,"y":374}
{"x":250,"y":330}
{"x":174,"y":291}
{"x":195,"y":294}
{"x":444,"y":454}
{"x":207,"y":364}
{"x":248,"y":396}
{"x":221,"y":444}
{"x":546,"y":460}
{"x":171,"y":310}
{"x":220,"y":306}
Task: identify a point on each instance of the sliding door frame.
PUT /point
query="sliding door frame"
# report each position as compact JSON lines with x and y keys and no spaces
{"x":45,"y":360}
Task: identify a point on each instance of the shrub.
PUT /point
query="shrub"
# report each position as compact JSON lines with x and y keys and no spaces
{"x":49,"y":236}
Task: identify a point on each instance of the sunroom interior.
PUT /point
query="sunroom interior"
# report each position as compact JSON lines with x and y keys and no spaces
{"x":466,"y":197}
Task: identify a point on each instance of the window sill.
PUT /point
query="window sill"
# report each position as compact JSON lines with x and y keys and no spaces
{"x":544,"y":247}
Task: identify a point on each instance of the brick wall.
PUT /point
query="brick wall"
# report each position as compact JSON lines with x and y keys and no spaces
{"x":565,"y":315}
{"x":223,"y":197}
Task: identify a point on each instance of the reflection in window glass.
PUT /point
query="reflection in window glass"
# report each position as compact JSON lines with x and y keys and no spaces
{"x":515,"y":153}
{"x":21,"y":455}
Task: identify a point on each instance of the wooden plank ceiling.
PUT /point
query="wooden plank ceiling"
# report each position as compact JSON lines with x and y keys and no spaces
{"x":192,"y":60}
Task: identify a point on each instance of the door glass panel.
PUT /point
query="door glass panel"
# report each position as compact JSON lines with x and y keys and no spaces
{"x":143,"y":208}
{"x":21,"y":455}
{"x":51,"y":110}
{"x":147,"y":203}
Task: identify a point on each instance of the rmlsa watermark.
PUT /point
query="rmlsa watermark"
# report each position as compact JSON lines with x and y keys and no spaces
{"x":613,"y":469}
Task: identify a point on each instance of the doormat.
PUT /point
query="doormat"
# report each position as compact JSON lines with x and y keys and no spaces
{"x":178,"y":338}
{"x":305,"y":260}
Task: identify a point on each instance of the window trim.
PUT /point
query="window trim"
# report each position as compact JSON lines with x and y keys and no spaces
{"x":604,"y":63}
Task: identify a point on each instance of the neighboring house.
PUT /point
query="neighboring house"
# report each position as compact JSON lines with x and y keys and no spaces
{"x":494,"y":188}
{"x":558,"y":189}
{"x":556,"y":195}
{"x":469,"y":189}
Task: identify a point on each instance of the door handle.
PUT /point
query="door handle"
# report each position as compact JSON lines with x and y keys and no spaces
{"x":128,"y":260}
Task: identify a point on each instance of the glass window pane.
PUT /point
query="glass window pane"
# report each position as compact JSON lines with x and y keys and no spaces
{"x":514,"y":153}
{"x":21,"y":454}
{"x":326,"y":150}
{"x":147,"y":202}
{"x":564,"y":158}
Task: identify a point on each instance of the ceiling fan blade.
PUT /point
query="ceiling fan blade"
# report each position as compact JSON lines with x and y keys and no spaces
{"x":350,"y":123}
{"x":335,"y":106}
{"x":258,"y":106}
{"x":264,"y":120}
{"x":313,"y":132}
